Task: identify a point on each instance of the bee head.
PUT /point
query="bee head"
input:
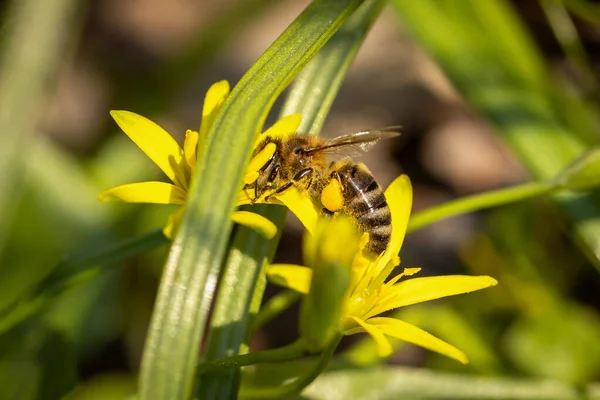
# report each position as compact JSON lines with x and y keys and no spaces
{"x":301,"y":157}
{"x":296,"y":155}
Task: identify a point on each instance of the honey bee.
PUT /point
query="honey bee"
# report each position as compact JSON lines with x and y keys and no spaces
{"x":323,"y":168}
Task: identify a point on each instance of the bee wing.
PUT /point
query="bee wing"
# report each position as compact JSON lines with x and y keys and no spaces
{"x":356,"y":143}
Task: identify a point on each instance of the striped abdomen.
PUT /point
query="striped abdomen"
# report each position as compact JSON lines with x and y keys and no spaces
{"x":364,"y":200}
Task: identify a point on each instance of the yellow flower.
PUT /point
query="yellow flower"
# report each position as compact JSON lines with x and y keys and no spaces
{"x":179,"y":164}
{"x":371,"y":292}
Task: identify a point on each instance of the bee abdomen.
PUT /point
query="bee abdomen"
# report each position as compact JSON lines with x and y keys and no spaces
{"x":379,"y":238}
{"x":377,"y":222}
{"x":366,"y":202}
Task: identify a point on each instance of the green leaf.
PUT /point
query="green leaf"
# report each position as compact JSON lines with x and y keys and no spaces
{"x":193,"y":266}
{"x":402,"y":383}
{"x":240,"y":287}
{"x":311,"y":96}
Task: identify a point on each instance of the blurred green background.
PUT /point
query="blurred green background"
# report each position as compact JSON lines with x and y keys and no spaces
{"x":489,"y":94}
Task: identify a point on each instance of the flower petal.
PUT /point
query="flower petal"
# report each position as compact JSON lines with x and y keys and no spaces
{"x":411,"y":334}
{"x":285,"y":126}
{"x":384,"y":347}
{"x":190,"y":148}
{"x":399,"y":198}
{"x":257,"y":162}
{"x":146,"y":192}
{"x":418,"y":290}
{"x":256,"y":222}
{"x":302,"y":206}
{"x":214,"y":99}
{"x":156,"y":143}
{"x":173,"y":224}
{"x":295,"y":277}
{"x":245,"y":196}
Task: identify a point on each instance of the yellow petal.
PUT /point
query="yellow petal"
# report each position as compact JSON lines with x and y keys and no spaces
{"x":245,"y":196}
{"x":384,"y":346}
{"x":257,"y":162}
{"x":411,"y":334}
{"x":399,"y":198}
{"x":285,"y":126}
{"x":214,"y":99}
{"x":146,"y":192}
{"x":302,"y":206}
{"x":156,"y":143}
{"x":173,"y":224}
{"x":215,"y":96}
{"x":255,"y":222}
{"x":190,"y":148}
{"x":295,"y":277}
{"x":418,"y":290}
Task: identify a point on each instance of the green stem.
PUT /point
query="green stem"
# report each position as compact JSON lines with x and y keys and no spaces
{"x":290,"y":352}
{"x":479,"y":202}
{"x":295,"y":387}
{"x":275,"y":306}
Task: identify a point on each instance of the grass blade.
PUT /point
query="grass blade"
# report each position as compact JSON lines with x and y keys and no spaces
{"x":399,"y":383}
{"x":188,"y":283}
{"x":312,"y":95}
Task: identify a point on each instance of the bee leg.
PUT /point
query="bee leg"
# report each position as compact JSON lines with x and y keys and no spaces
{"x":280,"y":189}
{"x":256,"y":195}
{"x":298,"y":177}
{"x":302,"y":174}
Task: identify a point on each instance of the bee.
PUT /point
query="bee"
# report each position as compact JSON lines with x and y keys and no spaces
{"x":325,"y":170}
